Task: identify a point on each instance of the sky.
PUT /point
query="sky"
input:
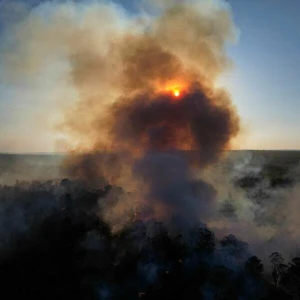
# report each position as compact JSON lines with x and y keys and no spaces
{"x":264,"y":84}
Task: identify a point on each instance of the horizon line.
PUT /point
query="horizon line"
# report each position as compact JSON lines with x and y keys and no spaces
{"x":64,"y":153}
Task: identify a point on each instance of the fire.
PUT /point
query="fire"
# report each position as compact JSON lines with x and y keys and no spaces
{"x":176,"y":93}
{"x":174,"y":89}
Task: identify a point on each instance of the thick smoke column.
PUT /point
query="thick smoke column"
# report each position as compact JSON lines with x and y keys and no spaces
{"x":182,"y":48}
{"x":125,"y":68}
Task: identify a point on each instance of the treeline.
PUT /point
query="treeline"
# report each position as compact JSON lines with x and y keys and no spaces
{"x":54,"y":245}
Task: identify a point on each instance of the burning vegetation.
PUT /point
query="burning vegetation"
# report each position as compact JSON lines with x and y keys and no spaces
{"x":54,"y":244}
{"x":148,"y":122}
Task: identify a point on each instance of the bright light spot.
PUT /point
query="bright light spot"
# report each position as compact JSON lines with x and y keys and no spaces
{"x":176,"y":93}
{"x":174,"y":89}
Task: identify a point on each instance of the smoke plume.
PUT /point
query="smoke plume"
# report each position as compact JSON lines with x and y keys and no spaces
{"x":146,"y":95}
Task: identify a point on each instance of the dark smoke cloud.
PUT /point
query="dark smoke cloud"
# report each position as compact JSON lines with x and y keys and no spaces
{"x":160,"y":122}
{"x":153,"y":128}
{"x":172,"y":190}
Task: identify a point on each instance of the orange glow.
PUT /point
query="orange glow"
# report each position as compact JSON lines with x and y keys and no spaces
{"x":175,"y":88}
{"x":176,"y":93}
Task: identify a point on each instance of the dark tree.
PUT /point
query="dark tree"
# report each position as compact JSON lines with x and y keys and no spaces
{"x":254,"y":266}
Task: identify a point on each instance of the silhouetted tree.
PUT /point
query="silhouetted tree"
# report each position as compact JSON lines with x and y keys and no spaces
{"x":254,"y":266}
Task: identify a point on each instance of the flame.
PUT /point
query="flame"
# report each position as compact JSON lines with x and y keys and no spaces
{"x":175,"y":89}
{"x":176,"y":92}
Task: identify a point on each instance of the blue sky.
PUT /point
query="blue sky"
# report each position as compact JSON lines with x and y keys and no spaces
{"x":264,"y":83}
